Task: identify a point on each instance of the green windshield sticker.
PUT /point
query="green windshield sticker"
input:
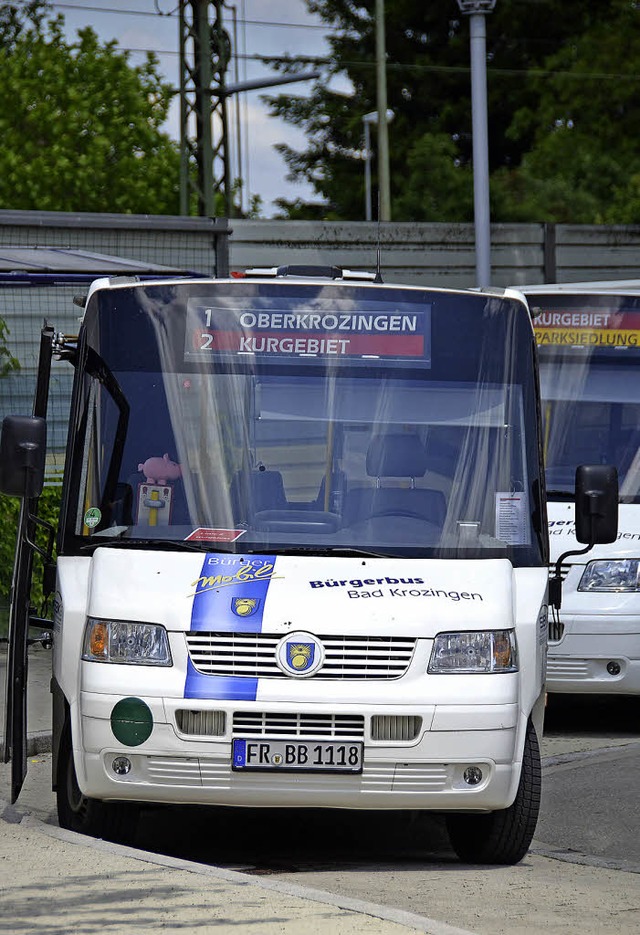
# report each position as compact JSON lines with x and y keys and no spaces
{"x":92,"y":517}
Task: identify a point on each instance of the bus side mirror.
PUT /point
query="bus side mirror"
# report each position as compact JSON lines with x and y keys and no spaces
{"x":596,"y":515}
{"x":23,"y":448}
{"x":596,"y":504}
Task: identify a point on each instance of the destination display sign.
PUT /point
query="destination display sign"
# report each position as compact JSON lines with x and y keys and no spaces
{"x":323,"y":329}
{"x":587,"y":327}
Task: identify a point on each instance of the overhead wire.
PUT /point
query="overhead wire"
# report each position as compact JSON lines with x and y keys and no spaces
{"x":326,"y":60}
{"x":91,"y":8}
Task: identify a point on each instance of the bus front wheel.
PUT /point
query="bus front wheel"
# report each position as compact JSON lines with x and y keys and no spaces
{"x":503,"y":837}
{"x":113,"y":821}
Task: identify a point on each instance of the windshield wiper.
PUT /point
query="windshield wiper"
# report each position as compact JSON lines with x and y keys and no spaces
{"x":563,"y":494}
{"x":119,"y":542}
{"x":331,"y":550}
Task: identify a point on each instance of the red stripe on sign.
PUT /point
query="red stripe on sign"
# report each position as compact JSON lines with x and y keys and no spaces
{"x":588,"y":319}
{"x":324,"y":344}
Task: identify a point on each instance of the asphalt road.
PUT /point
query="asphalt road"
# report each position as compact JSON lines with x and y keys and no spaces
{"x":582,"y":874}
{"x":591,"y":800}
{"x":590,"y":809}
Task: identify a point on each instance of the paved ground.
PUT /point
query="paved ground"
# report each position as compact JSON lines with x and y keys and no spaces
{"x":54,"y":882}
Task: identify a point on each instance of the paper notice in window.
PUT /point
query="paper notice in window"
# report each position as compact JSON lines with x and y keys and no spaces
{"x":512,"y":519}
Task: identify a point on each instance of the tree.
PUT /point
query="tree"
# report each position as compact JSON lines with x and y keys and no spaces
{"x":80,"y":126}
{"x":436,"y":186}
{"x":583,"y":165}
{"x":428,"y":85}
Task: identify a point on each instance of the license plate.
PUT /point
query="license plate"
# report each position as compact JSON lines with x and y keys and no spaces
{"x":310,"y":756}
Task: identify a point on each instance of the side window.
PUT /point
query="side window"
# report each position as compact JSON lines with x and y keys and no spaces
{"x":101,"y":420}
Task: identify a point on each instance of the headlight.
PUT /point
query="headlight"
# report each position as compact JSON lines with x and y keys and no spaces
{"x":611,"y":575}
{"x":475,"y":652}
{"x":139,"y":644}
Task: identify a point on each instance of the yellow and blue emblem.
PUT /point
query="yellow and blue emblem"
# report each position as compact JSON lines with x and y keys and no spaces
{"x":300,"y":654}
{"x":245,"y":606}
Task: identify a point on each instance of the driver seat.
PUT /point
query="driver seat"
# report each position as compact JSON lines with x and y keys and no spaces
{"x":396,"y":455}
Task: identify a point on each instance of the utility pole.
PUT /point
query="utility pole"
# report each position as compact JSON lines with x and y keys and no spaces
{"x":205,"y":52}
{"x":383,"y":134}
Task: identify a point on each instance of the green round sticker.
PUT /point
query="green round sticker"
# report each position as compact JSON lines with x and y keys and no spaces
{"x":131,"y":721}
{"x":92,"y":517}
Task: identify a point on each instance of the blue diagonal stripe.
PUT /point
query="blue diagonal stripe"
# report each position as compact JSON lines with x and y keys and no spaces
{"x":224,"y":579}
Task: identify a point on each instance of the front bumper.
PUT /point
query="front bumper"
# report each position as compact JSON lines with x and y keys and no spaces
{"x":424,"y":773}
{"x":597,"y":654}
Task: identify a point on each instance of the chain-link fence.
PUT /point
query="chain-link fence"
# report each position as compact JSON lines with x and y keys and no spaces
{"x":46,"y":259}
{"x":56,"y":260}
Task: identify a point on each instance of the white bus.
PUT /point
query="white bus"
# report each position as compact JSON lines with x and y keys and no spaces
{"x":302,"y":554}
{"x":588,"y":337}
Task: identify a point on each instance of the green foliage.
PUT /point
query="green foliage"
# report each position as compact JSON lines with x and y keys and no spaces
{"x":48,"y":509}
{"x":80,"y":126}
{"x":562,"y":100}
{"x":583,"y":165}
{"x":8,"y":362}
{"x":220,"y":207}
{"x":16,"y":18}
{"x":436,"y":187}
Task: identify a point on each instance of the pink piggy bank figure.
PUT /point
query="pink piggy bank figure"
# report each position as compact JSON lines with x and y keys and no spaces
{"x":160,"y":470}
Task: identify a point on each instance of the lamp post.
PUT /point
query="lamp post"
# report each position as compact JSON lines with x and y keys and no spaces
{"x":368,"y":120}
{"x":477,"y":11}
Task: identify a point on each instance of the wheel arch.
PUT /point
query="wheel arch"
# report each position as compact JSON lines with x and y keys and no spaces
{"x":61,"y":715}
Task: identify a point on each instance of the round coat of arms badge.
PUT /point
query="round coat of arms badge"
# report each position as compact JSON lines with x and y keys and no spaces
{"x":299,"y":654}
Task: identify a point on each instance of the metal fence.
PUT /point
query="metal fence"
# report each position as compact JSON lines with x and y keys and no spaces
{"x":47,"y":258}
{"x":196,"y":244}
{"x":421,"y":254}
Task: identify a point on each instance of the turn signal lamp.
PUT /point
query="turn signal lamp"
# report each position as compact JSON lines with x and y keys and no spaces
{"x":98,"y":640}
{"x":126,"y":643}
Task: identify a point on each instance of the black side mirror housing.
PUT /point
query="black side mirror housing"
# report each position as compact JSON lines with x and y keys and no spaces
{"x":596,"y":503}
{"x":23,"y":449}
{"x":596,"y":514}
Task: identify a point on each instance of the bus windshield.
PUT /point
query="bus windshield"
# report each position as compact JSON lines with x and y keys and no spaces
{"x":284,"y":417}
{"x":589,"y":347}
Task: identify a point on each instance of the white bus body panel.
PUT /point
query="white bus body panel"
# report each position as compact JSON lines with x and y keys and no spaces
{"x":466,"y":720}
{"x":597,"y":628}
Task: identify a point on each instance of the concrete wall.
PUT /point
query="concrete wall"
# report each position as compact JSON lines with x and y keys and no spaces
{"x":443,"y":254}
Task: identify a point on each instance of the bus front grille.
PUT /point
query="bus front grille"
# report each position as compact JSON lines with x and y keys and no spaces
{"x":253,"y":655}
{"x":286,"y":724}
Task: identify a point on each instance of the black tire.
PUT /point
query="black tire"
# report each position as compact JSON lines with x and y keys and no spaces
{"x":502,"y":837}
{"x":113,"y":821}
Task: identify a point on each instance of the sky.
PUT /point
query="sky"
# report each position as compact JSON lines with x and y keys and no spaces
{"x":264,"y":27}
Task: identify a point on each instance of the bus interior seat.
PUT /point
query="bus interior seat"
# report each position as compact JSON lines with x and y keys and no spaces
{"x":395,"y":455}
{"x":266,"y":492}
{"x":336,"y":493}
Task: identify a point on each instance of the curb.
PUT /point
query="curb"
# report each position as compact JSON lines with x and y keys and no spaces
{"x":411,"y":921}
{"x":37,"y":742}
